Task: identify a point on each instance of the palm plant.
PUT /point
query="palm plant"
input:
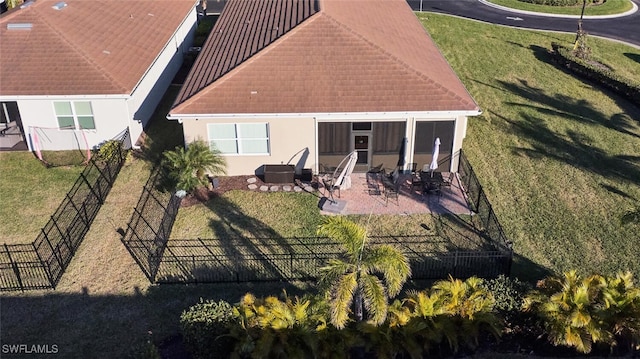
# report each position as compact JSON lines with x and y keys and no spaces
{"x":188,"y":168}
{"x":363,"y":276}
{"x":569,"y":309}
{"x":273,"y":328}
{"x":621,"y":310}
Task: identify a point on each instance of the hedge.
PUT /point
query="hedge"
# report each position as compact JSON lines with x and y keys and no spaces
{"x":610,"y":80}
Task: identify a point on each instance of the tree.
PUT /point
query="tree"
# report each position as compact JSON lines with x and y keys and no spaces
{"x":188,"y":168}
{"x":363,"y":276}
{"x":580,"y":48}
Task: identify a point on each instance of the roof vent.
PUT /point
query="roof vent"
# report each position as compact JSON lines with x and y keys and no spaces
{"x":60,"y":5}
{"x":19,"y":26}
{"x":26,"y":4}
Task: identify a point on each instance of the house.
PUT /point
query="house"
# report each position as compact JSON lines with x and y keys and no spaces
{"x":75,"y":73}
{"x":306,"y":82}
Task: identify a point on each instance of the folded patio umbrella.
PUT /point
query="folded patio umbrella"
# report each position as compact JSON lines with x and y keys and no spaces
{"x":434,"y":160}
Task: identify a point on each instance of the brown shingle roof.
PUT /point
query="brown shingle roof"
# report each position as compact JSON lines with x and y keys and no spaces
{"x":88,"y":47}
{"x":351,"y":56}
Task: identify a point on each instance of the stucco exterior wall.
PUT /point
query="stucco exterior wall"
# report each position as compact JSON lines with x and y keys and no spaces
{"x":291,"y":140}
{"x":110,"y":117}
{"x":149,"y":92}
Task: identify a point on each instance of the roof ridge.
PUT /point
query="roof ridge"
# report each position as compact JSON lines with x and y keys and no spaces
{"x":89,"y":59}
{"x":262,"y":52}
{"x":392,"y":56}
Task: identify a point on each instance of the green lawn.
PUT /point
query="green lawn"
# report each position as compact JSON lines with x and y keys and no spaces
{"x":29,"y":194}
{"x":558,"y":157}
{"x":607,"y":8}
{"x":287,"y":215}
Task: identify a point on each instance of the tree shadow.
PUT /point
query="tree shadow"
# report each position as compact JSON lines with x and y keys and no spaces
{"x":632,"y":56}
{"x":89,"y":325}
{"x":617,"y":191}
{"x":574,"y":149}
{"x":579,"y":110}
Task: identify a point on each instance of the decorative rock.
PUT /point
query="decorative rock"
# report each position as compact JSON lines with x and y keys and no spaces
{"x":252,"y":180}
{"x":308,"y":188}
{"x":297,"y":189}
{"x":252,"y":186}
{"x":286,"y":188}
{"x":274,"y":188}
{"x":264,"y":188}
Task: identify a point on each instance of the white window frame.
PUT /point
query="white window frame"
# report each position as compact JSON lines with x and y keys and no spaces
{"x":76,"y":124}
{"x":239,"y":137}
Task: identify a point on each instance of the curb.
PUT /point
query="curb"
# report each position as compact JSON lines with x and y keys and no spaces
{"x":586,"y":17}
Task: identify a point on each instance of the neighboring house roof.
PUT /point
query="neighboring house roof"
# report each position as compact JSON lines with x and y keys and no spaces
{"x":306,"y":56}
{"x":88,"y":47}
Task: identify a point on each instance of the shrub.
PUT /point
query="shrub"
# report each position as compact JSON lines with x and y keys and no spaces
{"x":581,"y":311}
{"x":452,"y":311}
{"x":598,"y":74}
{"x":205,"y":327}
{"x":271,"y":327}
{"x":108,"y":150}
{"x":555,"y":2}
{"x":188,"y":168}
{"x":508,"y":292}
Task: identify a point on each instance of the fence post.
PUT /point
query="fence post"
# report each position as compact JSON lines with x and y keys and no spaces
{"x":65,"y":238}
{"x":53,"y":251}
{"x":86,"y":217}
{"x":47,"y":270}
{"x":14,"y":266}
{"x":99,"y":196}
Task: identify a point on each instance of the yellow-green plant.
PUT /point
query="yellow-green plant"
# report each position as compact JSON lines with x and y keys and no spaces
{"x":188,"y":168}
{"x":274,"y":328}
{"x":578,"y":312}
{"x":363,"y":276}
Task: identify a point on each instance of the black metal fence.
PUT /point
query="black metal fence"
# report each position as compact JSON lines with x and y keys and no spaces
{"x":40,"y":265}
{"x":150,"y":225}
{"x":480,"y":204}
{"x":243,"y":259}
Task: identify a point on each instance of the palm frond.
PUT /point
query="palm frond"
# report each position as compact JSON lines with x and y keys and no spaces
{"x":342,"y":295}
{"x":375,"y":298}
{"x":351,"y":235}
{"x":391,"y":263}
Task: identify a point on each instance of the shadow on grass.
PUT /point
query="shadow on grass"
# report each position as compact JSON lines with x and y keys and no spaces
{"x":632,"y":56}
{"x":570,"y":108}
{"x":527,"y":270}
{"x":88,"y":325}
{"x":574,"y":149}
{"x":617,"y":191}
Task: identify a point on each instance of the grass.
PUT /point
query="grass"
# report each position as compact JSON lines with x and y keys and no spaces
{"x":288,"y":215}
{"x":30,"y":193}
{"x":557,"y":156}
{"x":609,"y":7}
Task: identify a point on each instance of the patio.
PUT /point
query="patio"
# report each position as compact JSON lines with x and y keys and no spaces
{"x":359,"y":199}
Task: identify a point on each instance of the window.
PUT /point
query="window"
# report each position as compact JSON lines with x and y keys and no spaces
{"x":74,"y":115}
{"x":240,"y":138}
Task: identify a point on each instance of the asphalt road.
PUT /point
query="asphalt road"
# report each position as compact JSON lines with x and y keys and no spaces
{"x":626,"y":28}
